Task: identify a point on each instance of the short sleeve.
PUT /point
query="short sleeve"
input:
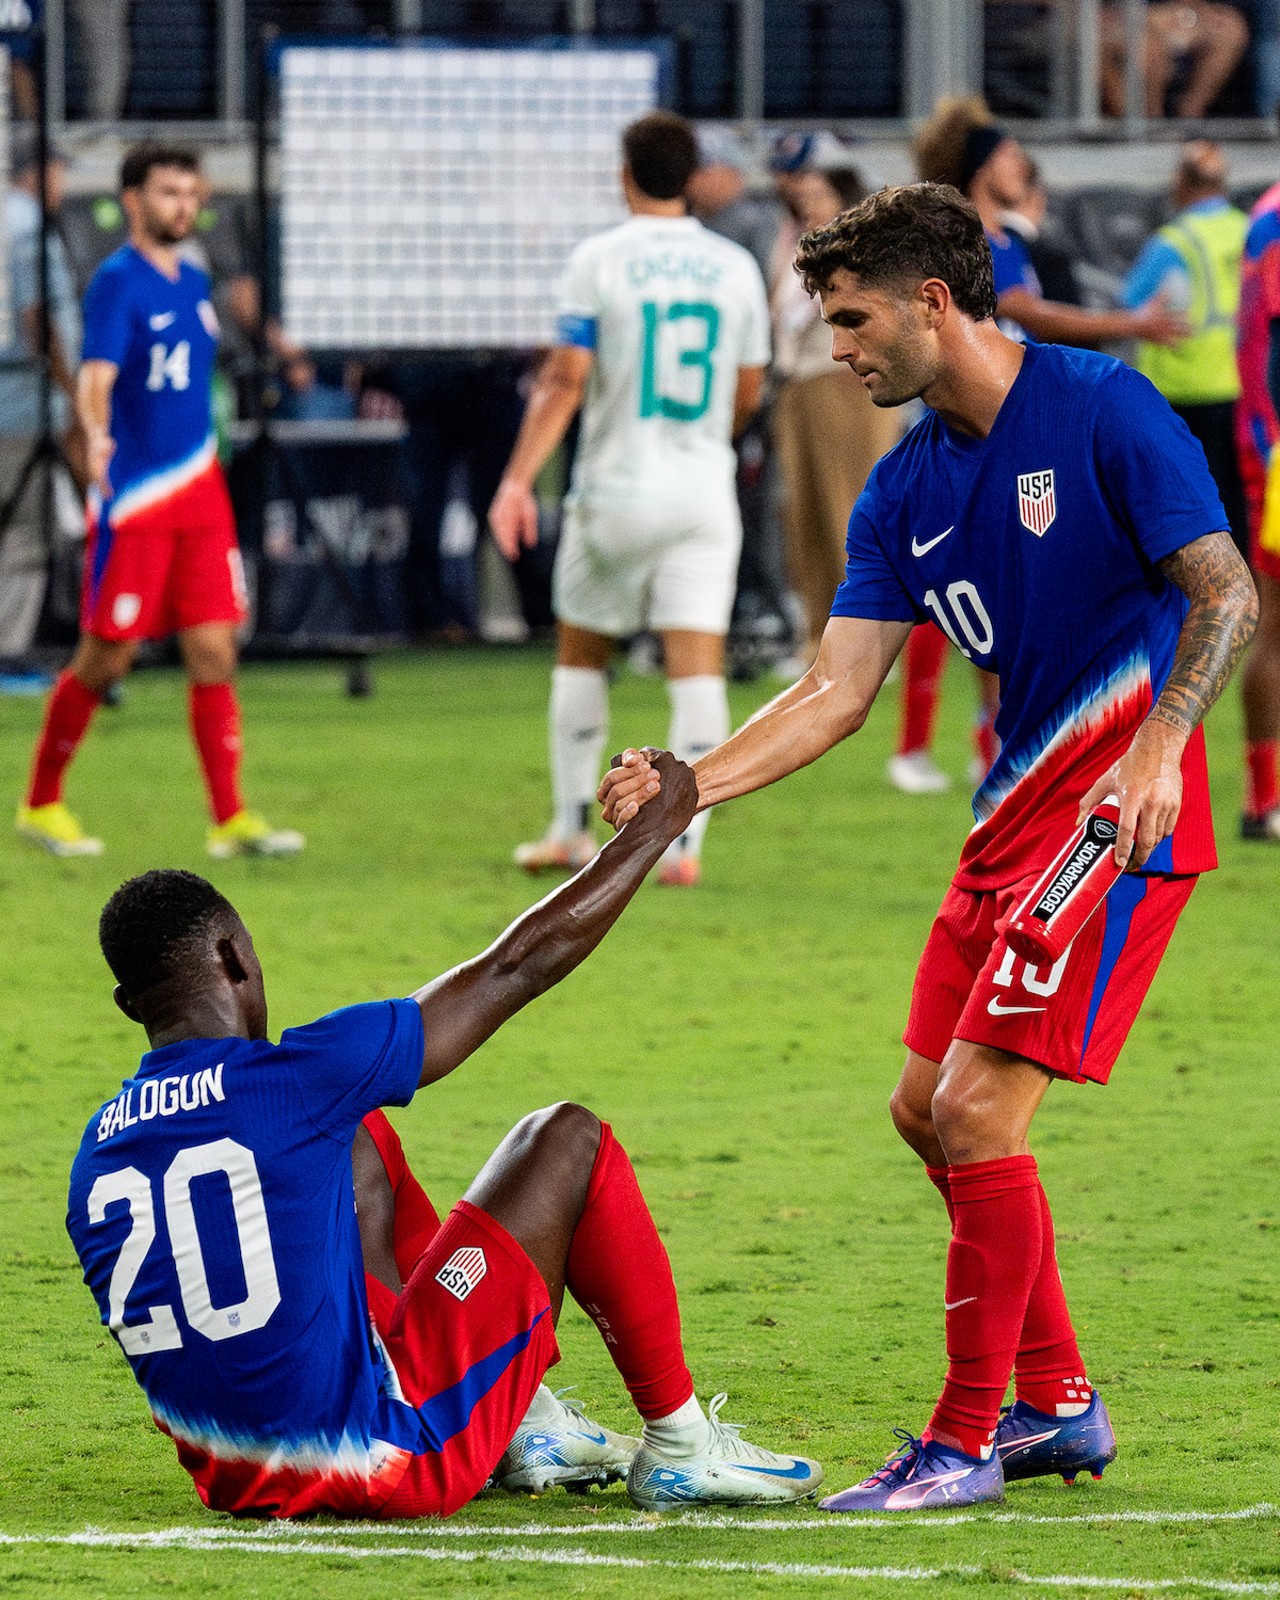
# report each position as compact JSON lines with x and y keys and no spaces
{"x":871,"y":587}
{"x":578,"y":302}
{"x":1151,"y":272}
{"x":354,"y":1060}
{"x":756,"y":348}
{"x":1151,"y":468}
{"x":108,"y":326}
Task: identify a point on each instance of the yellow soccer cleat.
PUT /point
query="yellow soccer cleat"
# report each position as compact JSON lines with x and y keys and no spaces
{"x":247,"y":834}
{"x":54,"y":829}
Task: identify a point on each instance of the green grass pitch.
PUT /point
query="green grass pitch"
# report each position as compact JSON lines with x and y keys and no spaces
{"x":743,"y":1040}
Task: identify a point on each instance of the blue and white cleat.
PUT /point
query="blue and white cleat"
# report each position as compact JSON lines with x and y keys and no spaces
{"x":923,"y":1476}
{"x":728,"y":1472}
{"x":1032,"y":1444}
{"x":561,"y":1446}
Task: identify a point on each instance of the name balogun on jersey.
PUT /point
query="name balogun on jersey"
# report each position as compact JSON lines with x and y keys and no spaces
{"x":161,"y":1097}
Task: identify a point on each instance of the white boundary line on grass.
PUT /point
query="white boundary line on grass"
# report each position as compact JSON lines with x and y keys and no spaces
{"x":191,"y":1539}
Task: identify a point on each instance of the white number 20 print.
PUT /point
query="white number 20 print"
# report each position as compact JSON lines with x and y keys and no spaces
{"x":159,"y":1331}
{"x":964,"y":611}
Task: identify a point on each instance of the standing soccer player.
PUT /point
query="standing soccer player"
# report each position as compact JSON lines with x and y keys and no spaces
{"x":162,"y":555}
{"x":1058,"y":522}
{"x":663,"y":337}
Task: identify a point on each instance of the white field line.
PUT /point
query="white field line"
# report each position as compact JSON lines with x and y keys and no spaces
{"x":192,"y":1539}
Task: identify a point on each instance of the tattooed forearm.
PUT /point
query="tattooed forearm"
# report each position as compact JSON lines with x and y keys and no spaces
{"x":1223,"y":615}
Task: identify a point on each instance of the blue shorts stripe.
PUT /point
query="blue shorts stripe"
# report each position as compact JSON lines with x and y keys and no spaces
{"x":1118,"y":909}
{"x":101,"y":553}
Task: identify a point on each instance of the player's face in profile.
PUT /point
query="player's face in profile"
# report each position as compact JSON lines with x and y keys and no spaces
{"x":882,"y":337}
{"x":168,"y":203}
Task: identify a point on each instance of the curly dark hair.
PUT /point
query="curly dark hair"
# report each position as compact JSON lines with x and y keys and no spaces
{"x":158,"y":926}
{"x":661,"y":151}
{"x":901,"y":237}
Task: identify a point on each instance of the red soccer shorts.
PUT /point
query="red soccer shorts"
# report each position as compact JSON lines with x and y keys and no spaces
{"x":1072,"y":1017}
{"x":159,"y":568}
{"x":1253,"y":475}
{"x":471,"y":1338}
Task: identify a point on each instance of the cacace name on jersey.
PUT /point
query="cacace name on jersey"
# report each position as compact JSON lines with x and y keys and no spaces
{"x":1036,"y":551}
{"x":211,"y":1205}
{"x":671,"y":311}
{"x":162,"y":335}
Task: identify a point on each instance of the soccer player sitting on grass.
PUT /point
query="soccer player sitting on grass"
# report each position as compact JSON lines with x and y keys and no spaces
{"x":162,"y":554}
{"x":1058,"y":522}
{"x":303,"y":1329}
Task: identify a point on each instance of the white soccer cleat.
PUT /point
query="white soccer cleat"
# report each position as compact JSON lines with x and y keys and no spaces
{"x":915,"y":773}
{"x":555,"y":855}
{"x":563,"y":1447}
{"x":728,"y":1472}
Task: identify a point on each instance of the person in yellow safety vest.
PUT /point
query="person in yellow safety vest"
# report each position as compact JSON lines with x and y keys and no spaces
{"x":1192,"y":264}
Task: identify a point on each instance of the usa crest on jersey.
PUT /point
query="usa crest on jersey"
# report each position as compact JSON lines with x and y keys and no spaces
{"x":1037,"y":501}
{"x":462,"y":1271}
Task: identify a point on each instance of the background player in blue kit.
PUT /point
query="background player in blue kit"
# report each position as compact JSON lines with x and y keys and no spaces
{"x":211,"y":1206}
{"x":162,"y":554}
{"x":1055,"y":518}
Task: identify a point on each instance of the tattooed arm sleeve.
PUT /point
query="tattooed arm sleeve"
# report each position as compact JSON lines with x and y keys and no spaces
{"x":1223,"y":615}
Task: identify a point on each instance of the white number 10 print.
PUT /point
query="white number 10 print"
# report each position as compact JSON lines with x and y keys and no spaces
{"x":159,"y":1331}
{"x":965,"y":611}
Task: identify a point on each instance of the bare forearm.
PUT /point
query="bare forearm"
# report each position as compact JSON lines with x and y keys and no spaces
{"x":552,"y":407}
{"x":1223,"y":614}
{"x":1061,"y":324}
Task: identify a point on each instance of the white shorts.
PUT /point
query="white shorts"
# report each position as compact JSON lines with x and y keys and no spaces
{"x":622,"y":568}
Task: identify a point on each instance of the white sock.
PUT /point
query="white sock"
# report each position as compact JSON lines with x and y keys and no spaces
{"x":699,"y":722}
{"x":543,"y":1408}
{"x":579,"y":726}
{"x":682,"y":1434}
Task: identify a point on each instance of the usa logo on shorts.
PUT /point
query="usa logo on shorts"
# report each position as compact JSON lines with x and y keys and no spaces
{"x":1037,"y":501}
{"x":462,"y":1271}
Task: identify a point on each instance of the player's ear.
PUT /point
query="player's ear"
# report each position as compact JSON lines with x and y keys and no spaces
{"x":234,"y":960}
{"x":125,"y":1004}
{"x":936,"y":299}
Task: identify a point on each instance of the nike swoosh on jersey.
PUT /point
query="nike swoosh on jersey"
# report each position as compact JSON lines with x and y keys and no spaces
{"x":995,"y":1009}
{"x":162,"y":319}
{"x":953,"y":1305}
{"x":918,"y":549}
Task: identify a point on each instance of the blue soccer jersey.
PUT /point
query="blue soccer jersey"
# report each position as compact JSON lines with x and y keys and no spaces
{"x":1036,"y":550}
{"x":213,"y":1211}
{"x":162,"y":334}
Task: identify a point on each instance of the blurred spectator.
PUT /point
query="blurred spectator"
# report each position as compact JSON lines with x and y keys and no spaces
{"x":1190,"y":50}
{"x":827,"y":432}
{"x":25,"y":546}
{"x":1053,"y":264}
{"x":717,"y":196}
{"x":103,"y":27}
{"x":1193,"y":265}
{"x":961,"y":144}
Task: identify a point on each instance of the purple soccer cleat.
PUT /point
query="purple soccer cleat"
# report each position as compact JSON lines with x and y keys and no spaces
{"x":1032,"y":1444}
{"x":923,"y":1476}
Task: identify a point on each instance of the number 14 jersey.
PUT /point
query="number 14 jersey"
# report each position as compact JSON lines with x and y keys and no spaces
{"x":671,"y":312}
{"x":1037,"y":551}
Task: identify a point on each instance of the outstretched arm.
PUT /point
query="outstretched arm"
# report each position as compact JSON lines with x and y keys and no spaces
{"x":557,"y":395}
{"x":830,"y":702}
{"x":463,"y":1007}
{"x":1220,"y":622}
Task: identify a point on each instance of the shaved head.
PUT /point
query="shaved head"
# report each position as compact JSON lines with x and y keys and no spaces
{"x":163,"y":926}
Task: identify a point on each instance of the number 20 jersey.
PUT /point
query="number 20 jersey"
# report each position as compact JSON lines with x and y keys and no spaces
{"x":162,"y":335}
{"x":671,"y":312}
{"x":211,"y":1205}
{"x":1037,"y":551}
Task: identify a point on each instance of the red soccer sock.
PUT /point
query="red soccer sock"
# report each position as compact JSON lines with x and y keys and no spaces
{"x":215,"y":727}
{"x":1048,"y":1371}
{"x":619,"y":1274}
{"x":66,"y":721}
{"x":923,"y":664}
{"x":940,"y":1178}
{"x":1262,"y":793}
{"x":991,"y":1266}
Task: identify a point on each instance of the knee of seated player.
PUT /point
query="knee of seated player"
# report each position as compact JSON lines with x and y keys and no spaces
{"x":565,"y":1133}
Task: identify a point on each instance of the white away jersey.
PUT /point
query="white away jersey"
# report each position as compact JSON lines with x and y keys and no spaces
{"x":672,"y":311}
